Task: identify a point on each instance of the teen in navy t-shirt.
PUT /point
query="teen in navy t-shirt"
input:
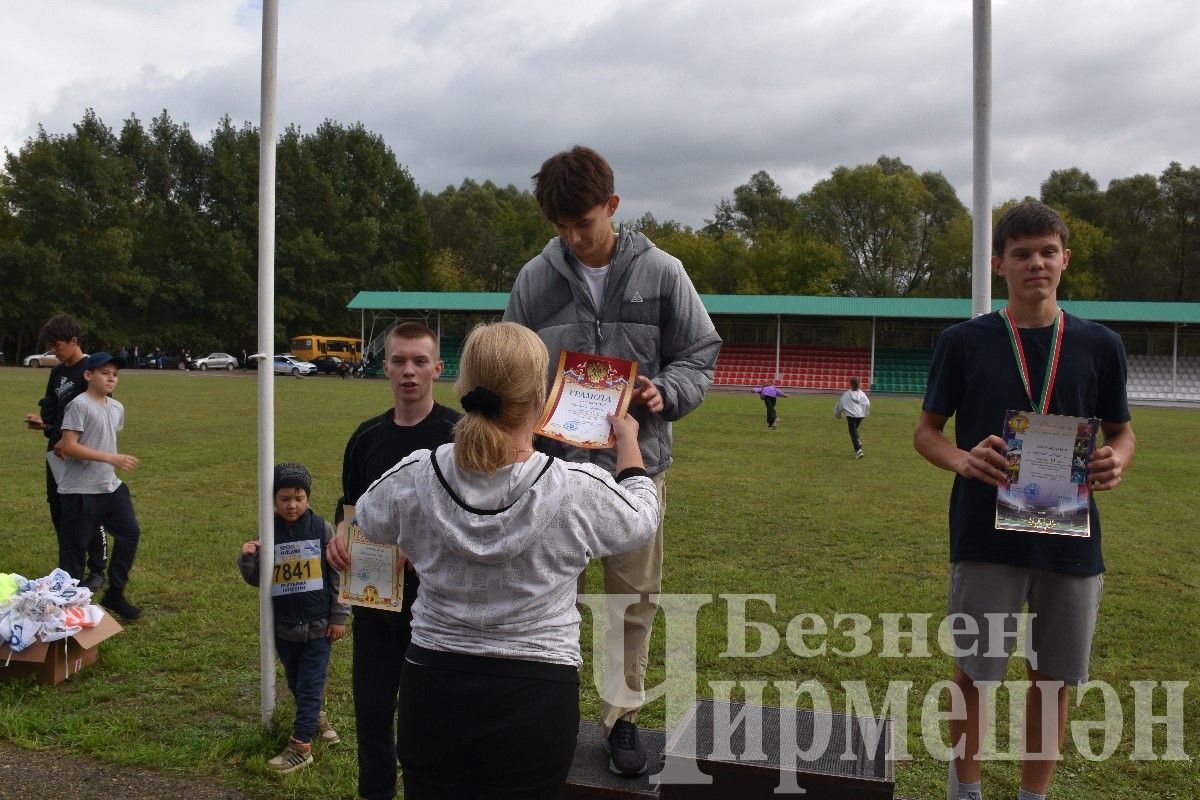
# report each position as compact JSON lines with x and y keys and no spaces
{"x":974,"y":378}
{"x":977,"y":375}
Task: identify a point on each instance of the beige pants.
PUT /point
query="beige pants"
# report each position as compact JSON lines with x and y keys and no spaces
{"x":627,"y":645}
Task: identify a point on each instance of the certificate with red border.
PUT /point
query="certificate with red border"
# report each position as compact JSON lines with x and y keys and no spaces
{"x":587,"y":388}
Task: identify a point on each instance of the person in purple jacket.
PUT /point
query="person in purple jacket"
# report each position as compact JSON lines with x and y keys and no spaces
{"x":768,"y":394}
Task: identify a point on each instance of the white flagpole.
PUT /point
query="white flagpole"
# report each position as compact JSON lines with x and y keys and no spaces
{"x":981,"y":211}
{"x":266,"y":347}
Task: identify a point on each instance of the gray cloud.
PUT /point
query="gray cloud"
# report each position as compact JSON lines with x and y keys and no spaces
{"x":688,"y":99}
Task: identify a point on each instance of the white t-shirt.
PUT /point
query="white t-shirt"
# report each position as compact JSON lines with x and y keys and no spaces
{"x":596,"y":279}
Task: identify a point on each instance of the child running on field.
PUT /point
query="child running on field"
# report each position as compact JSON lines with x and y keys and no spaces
{"x":855,"y":404}
{"x":769,"y":394}
{"x":308,"y":616}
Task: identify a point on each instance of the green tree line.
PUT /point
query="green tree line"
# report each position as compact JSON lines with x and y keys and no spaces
{"x":149,"y":236}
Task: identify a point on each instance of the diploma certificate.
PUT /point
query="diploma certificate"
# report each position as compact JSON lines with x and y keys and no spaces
{"x":586,"y":390}
{"x":371,"y":580}
{"x":1047,"y":488}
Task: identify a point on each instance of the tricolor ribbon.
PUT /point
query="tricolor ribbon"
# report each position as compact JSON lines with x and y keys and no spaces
{"x":1041,"y":406}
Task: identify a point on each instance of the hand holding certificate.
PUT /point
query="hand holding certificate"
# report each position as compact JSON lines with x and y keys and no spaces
{"x":1047,"y":488}
{"x":587,"y":388}
{"x":375,"y":577}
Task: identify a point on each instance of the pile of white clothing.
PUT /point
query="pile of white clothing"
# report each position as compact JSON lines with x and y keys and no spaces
{"x":46,"y":609}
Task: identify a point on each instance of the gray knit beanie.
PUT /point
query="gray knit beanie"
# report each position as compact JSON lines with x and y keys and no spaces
{"x":292,"y":474}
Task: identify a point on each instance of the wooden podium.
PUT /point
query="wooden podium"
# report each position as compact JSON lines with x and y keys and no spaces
{"x":850,"y":765}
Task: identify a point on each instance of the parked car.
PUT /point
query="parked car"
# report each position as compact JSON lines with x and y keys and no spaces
{"x":160,"y":361}
{"x":46,"y":359}
{"x":214,"y":361}
{"x":328,"y":365}
{"x":290,"y":365}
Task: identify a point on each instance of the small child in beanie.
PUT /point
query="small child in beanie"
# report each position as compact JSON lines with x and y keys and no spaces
{"x":308,"y":616}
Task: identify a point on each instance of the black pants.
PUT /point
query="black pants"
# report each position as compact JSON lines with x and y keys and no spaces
{"x":380,"y":639}
{"x":485,"y":736}
{"x":852,"y":424}
{"x":770,"y":401}
{"x":97,"y":548}
{"x":81,"y":515}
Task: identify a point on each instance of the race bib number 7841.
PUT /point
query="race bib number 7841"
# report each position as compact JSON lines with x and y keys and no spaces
{"x":297,"y":567}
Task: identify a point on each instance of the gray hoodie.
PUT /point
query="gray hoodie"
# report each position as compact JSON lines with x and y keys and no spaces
{"x":651,"y":314}
{"x":500,"y":581}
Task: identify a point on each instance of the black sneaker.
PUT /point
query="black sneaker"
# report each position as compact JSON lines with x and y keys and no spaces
{"x":94,"y":581}
{"x":114,"y":600}
{"x":625,"y":756}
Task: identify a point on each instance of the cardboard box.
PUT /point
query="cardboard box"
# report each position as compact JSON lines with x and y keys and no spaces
{"x":52,"y":662}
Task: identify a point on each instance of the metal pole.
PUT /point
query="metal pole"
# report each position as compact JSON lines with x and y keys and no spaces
{"x":981,"y":209}
{"x":778,"y":338}
{"x":871,"y":378}
{"x":1175,"y":362}
{"x":266,"y":346}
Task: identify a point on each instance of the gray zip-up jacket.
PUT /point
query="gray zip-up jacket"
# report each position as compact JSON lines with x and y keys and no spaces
{"x":651,"y":314}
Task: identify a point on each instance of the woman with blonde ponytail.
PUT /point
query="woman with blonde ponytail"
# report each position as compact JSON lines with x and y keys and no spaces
{"x":502,"y":384}
{"x":499,"y":533}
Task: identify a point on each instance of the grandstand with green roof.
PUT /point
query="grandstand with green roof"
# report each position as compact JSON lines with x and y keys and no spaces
{"x":811,"y":343}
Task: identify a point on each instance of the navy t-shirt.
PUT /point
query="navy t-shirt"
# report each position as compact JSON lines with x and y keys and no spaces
{"x":975,"y":379}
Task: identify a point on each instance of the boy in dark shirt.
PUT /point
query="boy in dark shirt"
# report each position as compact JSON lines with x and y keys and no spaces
{"x":976,"y":377}
{"x":62,"y":335}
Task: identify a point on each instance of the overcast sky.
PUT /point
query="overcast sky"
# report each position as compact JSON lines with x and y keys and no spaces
{"x":686,"y":99}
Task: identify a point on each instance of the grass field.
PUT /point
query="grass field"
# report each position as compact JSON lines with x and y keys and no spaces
{"x":787,"y":513}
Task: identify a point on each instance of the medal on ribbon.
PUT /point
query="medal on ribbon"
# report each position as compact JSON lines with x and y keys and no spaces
{"x":1041,"y":405}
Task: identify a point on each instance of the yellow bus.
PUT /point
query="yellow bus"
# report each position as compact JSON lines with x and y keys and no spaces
{"x":310,"y":346}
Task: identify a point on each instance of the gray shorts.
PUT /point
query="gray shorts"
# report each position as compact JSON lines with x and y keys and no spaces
{"x":1057,"y":636}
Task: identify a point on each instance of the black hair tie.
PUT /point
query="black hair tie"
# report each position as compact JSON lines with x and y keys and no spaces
{"x":483,"y":400}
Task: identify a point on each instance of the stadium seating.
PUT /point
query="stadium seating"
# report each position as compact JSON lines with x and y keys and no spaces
{"x":451,"y":352}
{"x":902,"y":370}
{"x":800,"y":366}
{"x":906,"y":371}
{"x":1150,"y":378}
